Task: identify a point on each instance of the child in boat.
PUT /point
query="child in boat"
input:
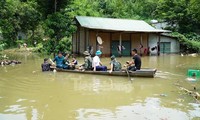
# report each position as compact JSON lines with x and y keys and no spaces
{"x":115,"y":65}
{"x":46,"y":65}
{"x":74,"y":62}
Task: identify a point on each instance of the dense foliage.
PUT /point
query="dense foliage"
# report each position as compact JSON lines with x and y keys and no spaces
{"x":50,"y":22}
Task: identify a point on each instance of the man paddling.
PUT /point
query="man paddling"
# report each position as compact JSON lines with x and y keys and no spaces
{"x":135,"y":64}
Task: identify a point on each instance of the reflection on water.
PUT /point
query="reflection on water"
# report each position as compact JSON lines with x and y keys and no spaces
{"x":26,"y":93}
{"x":98,"y":85}
{"x":149,"y":110}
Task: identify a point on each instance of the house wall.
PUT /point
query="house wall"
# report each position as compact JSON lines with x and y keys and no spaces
{"x":74,"y":43}
{"x":82,"y":40}
{"x":153,"y":39}
{"x":106,"y":43}
{"x":85,"y":37}
{"x":136,"y":40}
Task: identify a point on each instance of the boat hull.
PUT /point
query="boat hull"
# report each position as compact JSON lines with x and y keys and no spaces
{"x":139,"y":73}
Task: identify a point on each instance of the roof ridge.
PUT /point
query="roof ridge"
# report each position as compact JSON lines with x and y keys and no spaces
{"x":110,"y":18}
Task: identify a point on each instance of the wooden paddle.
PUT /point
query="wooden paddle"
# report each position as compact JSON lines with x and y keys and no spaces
{"x":129,"y":78}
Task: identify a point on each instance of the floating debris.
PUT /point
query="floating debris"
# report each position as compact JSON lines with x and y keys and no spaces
{"x":163,"y":95}
{"x":9,"y":62}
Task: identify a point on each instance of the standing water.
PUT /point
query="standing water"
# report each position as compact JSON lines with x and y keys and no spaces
{"x":26,"y":93}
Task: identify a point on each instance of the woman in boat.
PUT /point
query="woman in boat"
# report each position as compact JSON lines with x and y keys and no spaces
{"x":87,"y":62}
{"x":96,"y":63}
{"x":115,"y":65}
{"x":135,"y":64}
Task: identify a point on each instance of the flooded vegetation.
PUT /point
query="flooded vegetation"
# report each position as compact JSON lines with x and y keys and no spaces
{"x":26,"y":93}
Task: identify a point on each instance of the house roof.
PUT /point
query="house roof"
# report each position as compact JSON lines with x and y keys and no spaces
{"x":113,"y":24}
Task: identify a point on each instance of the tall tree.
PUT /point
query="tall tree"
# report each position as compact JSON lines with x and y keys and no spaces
{"x":30,"y":17}
{"x":177,"y":14}
{"x":10,"y":20}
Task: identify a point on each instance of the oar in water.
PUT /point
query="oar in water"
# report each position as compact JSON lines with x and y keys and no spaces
{"x":129,"y":78}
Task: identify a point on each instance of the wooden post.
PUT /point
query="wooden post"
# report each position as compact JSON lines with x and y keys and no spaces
{"x":111,"y":44}
{"x":130,"y":43}
{"x":158,"y":45}
{"x":141,"y":44}
{"x":120,"y":44}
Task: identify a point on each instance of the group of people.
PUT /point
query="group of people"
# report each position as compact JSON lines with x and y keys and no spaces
{"x":93,"y":64}
{"x":62,"y":62}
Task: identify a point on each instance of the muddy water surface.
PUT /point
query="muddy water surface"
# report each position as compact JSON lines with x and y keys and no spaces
{"x":26,"y":93}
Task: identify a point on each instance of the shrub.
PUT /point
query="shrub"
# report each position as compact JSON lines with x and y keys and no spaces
{"x":189,"y":43}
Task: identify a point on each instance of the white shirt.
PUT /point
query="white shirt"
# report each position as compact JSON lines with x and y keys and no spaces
{"x":96,"y":61}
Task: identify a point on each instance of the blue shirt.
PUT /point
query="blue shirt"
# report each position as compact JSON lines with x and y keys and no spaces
{"x":59,"y":60}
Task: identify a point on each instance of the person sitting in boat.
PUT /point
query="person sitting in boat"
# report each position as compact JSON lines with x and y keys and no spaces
{"x":74,"y":62}
{"x":87,"y":62}
{"x":135,"y":64}
{"x":96,"y":63}
{"x":66,"y":61}
{"x":59,"y":59}
{"x":115,"y":65}
{"x":46,"y":65}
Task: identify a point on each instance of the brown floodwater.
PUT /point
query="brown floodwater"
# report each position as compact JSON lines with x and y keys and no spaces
{"x":26,"y":93}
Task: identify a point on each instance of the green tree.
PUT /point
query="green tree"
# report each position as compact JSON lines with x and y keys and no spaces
{"x":18,"y":16}
{"x":177,"y":13}
{"x":29,"y":17}
{"x":57,"y":27}
{"x":10,"y":20}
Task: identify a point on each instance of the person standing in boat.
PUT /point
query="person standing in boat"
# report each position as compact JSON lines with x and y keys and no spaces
{"x":96,"y":63}
{"x":115,"y":65}
{"x":135,"y":64}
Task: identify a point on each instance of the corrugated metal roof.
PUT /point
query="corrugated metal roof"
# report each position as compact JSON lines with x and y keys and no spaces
{"x":113,"y":24}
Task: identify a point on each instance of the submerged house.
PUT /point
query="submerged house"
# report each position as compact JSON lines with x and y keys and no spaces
{"x":119,"y":36}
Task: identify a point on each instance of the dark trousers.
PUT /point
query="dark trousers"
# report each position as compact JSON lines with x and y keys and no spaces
{"x":132,"y":68}
{"x":101,"y":68}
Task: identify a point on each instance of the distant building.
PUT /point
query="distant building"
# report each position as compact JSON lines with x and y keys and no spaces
{"x":168,"y":44}
{"x":118,"y":34}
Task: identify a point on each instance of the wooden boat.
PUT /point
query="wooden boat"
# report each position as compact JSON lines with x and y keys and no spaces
{"x":145,"y":72}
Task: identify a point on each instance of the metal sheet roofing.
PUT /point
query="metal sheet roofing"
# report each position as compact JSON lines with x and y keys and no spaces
{"x":113,"y":24}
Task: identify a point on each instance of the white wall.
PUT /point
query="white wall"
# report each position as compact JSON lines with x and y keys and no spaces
{"x":153,"y":39}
